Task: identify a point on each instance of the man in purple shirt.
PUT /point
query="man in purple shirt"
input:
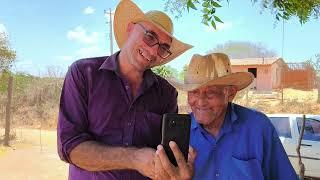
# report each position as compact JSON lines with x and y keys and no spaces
{"x":111,"y":107}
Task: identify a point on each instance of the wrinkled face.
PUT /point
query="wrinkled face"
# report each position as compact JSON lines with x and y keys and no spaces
{"x":210,"y":103}
{"x":145,"y":45}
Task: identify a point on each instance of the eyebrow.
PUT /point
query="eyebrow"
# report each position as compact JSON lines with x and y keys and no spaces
{"x":156,"y":35}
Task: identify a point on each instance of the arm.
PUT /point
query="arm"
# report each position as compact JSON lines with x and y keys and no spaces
{"x":92,"y":156}
{"x":78,"y":146}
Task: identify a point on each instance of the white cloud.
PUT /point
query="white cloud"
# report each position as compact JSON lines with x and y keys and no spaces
{"x":81,"y":35}
{"x":3,"y":29}
{"x":220,"y":27}
{"x":89,"y":10}
{"x":92,"y":51}
{"x":65,"y":58}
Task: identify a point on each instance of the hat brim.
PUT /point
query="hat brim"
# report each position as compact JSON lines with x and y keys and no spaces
{"x":127,"y":12}
{"x":239,"y":79}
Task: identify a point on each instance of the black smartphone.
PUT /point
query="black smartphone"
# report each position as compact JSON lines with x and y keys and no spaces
{"x":176,"y":127}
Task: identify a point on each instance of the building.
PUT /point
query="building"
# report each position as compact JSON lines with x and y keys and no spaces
{"x":267,"y":71}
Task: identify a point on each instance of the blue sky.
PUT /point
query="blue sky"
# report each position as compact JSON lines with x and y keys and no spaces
{"x":56,"y":33}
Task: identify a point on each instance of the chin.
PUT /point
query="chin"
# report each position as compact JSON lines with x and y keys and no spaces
{"x":203,"y":119}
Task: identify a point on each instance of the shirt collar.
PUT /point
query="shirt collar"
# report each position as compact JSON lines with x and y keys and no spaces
{"x":230,"y":118}
{"x":112,"y":64}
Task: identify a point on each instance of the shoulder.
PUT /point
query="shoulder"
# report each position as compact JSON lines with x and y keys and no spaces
{"x":164,"y":85}
{"x":92,"y":63}
{"x":252,"y":118}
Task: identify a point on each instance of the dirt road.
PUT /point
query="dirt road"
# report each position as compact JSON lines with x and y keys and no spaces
{"x":27,"y":160}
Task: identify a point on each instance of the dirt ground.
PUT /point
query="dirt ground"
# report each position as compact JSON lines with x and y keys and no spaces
{"x":28,"y":159}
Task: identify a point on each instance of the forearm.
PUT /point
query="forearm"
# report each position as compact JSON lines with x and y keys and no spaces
{"x":93,"y":156}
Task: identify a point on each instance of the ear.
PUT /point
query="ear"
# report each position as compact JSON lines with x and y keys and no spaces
{"x":231,"y":92}
{"x":130,"y":27}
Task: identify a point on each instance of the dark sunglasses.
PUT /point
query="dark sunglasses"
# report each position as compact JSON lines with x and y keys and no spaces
{"x":151,"y":40}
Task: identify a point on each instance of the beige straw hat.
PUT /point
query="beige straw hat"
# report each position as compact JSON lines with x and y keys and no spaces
{"x":127,"y":12}
{"x":211,"y":69}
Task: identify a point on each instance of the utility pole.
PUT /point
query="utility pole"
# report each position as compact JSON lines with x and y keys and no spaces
{"x":109,"y":13}
{"x":282,"y":38}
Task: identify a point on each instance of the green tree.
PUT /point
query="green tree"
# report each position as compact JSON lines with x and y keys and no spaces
{"x":281,"y":9}
{"x":165,"y":71}
{"x":7,"y":55}
{"x":315,"y":62}
{"x":183,"y":72}
{"x":242,"y":49}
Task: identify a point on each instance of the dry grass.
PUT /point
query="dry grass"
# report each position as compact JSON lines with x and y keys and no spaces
{"x":294,"y":101}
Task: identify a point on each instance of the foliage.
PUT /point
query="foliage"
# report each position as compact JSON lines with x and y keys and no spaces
{"x":165,"y":71}
{"x":7,"y":55}
{"x":239,"y":49}
{"x":183,"y":72}
{"x":21,"y":81}
{"x":281,"y":9}
{"x":315,"y":62}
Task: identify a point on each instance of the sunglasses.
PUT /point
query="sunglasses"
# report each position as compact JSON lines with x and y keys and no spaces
{"x":151,"y":40}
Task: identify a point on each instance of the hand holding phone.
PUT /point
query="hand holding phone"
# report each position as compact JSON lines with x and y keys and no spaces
{"x":176,"y":127}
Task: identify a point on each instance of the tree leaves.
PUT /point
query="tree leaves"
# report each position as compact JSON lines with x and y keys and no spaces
{"x":244,"y":49}
{"x":209,"y":10}
{"x":7,"y":55}
{"x":191,"y":5}
{"x":165,"y":71}
{"x":279,"y":8}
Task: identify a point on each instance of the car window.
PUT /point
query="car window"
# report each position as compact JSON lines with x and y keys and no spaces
{"x":311,"y":129}
{"x":282,"y":126}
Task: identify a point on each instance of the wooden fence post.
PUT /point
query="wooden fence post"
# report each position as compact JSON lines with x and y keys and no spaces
{"x":8,"y":113}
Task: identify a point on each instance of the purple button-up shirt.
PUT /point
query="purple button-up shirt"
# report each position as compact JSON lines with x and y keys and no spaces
{"x":96,"y":104}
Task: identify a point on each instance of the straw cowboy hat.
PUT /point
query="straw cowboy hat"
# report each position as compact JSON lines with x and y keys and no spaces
{"x":211,"y":69}
{"x":127,"y":12}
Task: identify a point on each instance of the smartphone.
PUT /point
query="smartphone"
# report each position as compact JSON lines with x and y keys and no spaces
{"x":176,"y":127}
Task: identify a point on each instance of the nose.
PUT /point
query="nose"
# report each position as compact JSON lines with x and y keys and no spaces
{"x":202,"y":100}
{"x":154,"y":50}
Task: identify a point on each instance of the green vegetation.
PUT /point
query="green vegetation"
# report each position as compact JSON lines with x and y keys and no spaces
{"x":281,"y":9}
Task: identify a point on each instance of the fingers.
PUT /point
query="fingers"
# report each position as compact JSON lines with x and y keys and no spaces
{"x":178,"y":155}
{"x":159,"y":171}
{"x":166,"y":164}
{"x":191,"y":155}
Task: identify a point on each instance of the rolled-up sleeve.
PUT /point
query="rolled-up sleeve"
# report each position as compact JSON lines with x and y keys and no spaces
{"x":73,"y":115}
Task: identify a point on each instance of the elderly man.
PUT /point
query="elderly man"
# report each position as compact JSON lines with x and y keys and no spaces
{"x":232,"y":141}
{"x":109,"y":123}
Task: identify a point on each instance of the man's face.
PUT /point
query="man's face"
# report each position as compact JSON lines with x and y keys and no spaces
{"x":210,"y":103}
{"x":141,"y":55}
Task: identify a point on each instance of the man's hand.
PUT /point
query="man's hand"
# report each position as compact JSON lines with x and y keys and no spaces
{"x":165,"y":170}
{"x":144,"y":161}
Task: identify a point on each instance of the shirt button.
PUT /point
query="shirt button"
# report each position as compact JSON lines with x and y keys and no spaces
{"x":126,"y":144}
{"x":217,"y":174}
{"x":129,"y":123}
{"x":127,"y":87}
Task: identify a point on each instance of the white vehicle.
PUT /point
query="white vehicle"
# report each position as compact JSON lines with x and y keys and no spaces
{"x":288,"y":127}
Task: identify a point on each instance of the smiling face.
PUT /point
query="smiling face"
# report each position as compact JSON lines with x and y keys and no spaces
{"x":209,"y":104}
{"x":139,"y":55}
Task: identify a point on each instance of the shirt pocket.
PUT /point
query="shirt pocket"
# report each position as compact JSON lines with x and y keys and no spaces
{"x":246,"y":169}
